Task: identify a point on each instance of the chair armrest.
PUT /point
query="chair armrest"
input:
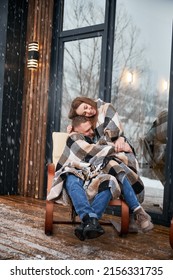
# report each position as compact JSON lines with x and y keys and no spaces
{"x":50,"y":175}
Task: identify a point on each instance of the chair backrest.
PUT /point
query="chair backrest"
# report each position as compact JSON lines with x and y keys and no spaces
{"x":59,"y":141}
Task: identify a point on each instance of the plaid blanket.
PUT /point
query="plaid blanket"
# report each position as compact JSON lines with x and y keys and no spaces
{"x":108,"y":123}
{"x":154,"y":145}
{"x":97,"y":165}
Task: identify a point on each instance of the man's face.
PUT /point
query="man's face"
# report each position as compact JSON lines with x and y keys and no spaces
{"x":85,"y":129}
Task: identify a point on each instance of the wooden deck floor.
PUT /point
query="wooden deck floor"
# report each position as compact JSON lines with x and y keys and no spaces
{"x":22,"y":237}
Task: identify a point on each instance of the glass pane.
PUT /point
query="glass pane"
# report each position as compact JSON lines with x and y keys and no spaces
{"x":140,"y":84}
{"x":83,"y":13}
{"x":81,"y":72}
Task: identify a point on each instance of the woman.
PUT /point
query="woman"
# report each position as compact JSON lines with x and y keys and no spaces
{"x":104,"y":118}
{"x":108,"y":128}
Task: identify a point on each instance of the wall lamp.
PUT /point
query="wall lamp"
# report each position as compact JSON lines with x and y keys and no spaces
{"x":33,"y":55}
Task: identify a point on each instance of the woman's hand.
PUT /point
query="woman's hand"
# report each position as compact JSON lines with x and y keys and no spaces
{"x":122,"y":146}
{"x":69,"y":128}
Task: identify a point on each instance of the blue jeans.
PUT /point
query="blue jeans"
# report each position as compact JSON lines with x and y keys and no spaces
{"x":129,"y":195}
{"x":74,"y":188}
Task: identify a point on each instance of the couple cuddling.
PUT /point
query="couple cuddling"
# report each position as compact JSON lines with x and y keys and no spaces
{"x":98,"y":164}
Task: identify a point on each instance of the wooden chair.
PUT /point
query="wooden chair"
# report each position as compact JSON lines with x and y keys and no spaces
{"x":59,"y":140}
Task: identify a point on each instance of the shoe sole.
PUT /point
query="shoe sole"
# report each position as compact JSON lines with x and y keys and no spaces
{"x":79,"y":235}
{"x":150,"y":227}
{"x":92,"y":234}
{"x":133,"y":230}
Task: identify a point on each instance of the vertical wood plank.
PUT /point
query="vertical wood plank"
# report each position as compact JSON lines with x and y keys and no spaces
{"x":35,"y":102}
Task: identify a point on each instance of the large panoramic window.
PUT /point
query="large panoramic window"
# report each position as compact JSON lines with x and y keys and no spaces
{"x":140,"y":83}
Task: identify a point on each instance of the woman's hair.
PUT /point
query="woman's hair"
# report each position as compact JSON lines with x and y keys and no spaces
{"x":77,"y":102}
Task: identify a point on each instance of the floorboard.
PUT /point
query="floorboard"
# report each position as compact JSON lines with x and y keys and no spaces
{"x":22,"y":237}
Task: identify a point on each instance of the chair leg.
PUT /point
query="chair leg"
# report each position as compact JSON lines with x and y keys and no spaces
{"x":123,"y":227}
{"x":171,"y":234}
{"x":124,"y":218}
{"x":49,"y":217}
{"x":49,"y":204}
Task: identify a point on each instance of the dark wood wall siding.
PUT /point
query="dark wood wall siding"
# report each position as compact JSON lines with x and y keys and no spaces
{"x":35,"y":101}
{"x":13,"y":15}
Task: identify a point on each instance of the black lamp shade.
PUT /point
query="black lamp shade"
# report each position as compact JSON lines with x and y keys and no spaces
{"x":33,"y":55}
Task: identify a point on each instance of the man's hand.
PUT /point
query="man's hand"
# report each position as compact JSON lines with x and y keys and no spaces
{"x":69,"y":128}
{"x":122,"y":146}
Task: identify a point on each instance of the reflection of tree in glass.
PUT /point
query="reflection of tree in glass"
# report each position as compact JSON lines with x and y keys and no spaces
{"x":140,"y":102}
{"x":128,"y":55}
{"x":82,"y":13}
{"x":82,"y":66}
{"x":81,"y":71}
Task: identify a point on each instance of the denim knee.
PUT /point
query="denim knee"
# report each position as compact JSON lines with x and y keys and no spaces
{"x":73,"y":182}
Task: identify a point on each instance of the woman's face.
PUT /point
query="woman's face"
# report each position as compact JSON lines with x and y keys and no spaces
{"x":86,"y":110}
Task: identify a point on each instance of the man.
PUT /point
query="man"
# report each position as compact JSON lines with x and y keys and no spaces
{"x":89,"y":212}
{"x":82,"y":125}
{"x":90,"y":189}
